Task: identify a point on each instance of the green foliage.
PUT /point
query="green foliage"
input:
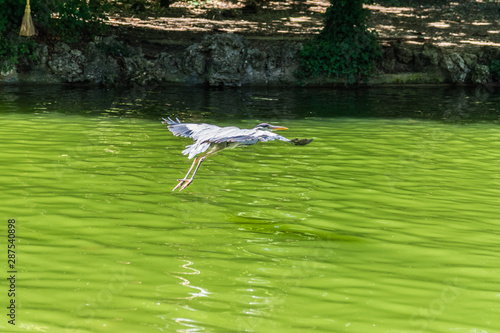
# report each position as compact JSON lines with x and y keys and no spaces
{"x":11,"y":15}
{"x":77,"y":19}
{"x":74,"y":19}
{"x":14,"y":48}
{"x":495,"y":70}
{"x":345,"y":49}
{"x":114,"y":49}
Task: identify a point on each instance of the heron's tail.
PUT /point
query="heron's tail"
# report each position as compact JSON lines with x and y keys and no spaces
{"x":169,"y":121}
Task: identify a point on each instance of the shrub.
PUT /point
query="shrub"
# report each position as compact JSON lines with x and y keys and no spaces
{"x":12,"y":47}
{"x":11,"y":14}
{"x":345,"y":49}
{"x":77,"y":19}
{"x":495,"y":70}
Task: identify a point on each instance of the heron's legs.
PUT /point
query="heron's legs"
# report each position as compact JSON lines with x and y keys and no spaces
{"x":194,"y":173}
{"x":185,"y":182}
{"x":191,"y":168}
{"x":181,"y":181}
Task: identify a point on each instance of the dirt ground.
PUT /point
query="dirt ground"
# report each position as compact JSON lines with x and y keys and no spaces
{"x":466,"y":24}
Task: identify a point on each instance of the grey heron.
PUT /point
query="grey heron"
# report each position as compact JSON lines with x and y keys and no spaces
{"x":209,"y":139}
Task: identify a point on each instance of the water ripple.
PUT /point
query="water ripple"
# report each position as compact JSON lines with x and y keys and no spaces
{"x":377,"y":224}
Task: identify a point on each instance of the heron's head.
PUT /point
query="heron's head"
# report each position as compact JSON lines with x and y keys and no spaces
{"x":269,"y":127}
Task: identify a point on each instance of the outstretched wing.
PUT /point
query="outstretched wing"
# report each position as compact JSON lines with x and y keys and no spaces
{"x":204,"y":135}
{"x":194,"y":131}
{"x":245,"y":136}
{"x":216,"y":134}
{"x":258,"y":135}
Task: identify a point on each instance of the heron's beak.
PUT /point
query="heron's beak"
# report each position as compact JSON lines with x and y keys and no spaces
{"x":278,"y":128}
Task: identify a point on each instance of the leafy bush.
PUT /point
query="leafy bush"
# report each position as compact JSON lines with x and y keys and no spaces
{"x":345,"y":49}
{"x":14,"y":48}
{"x":74,"y":19}
{"x":495,"y":70}
{"x":77,"y":19}
{"x":11,"y":14}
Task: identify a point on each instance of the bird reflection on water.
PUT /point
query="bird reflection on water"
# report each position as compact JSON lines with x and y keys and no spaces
{"x":210,"y":139}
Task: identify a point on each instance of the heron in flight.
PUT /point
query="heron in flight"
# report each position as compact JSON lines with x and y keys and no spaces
{"x":209,"y":139}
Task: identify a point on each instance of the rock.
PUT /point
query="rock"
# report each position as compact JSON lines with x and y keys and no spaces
{"x":431,"y":54}
{"x":194,"y":61}
{"x":98,"y":65}
{"x":67,"y":63}
{"x":41,"y":54}
{"x":481,"y":74}
{"x":113,"y":47}
{"x":470,"y":59}
{"x":230,"y":60}
{"x":139,"y":70}
{"x":276,"y":64}
{"x":455,"y":67}
{"x":388,"y":60}
{"x":35,"y":70}
{"x":99,"y":68}
{"x":8,"y":75}
{"x":403,"y":54}
{"x":227,"y":54}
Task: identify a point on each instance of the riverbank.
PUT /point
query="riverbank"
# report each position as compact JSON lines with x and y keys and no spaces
{"x":420,"y":45}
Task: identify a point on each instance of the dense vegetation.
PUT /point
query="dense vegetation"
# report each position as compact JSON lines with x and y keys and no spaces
{"x":11,"y":47}
{"x":345,"y":49}
{"x":69,"y":20}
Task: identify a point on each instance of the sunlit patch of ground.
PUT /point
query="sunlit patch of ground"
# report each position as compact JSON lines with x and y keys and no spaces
{"x":452,"y":25}
{"x":290,"y":26}
{"x":277,"y":18}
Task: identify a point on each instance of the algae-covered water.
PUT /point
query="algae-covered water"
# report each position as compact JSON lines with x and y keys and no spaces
{"x":387,"y":222}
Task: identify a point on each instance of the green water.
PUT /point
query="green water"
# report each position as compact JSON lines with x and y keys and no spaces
{"x":387,"y":222}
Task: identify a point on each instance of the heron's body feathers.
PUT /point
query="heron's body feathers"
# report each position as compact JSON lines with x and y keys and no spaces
{"x":206,"y":135}
{"x":209,"y":139}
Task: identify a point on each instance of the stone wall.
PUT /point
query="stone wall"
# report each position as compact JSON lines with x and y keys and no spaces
{"x":231,"y":60}
{"x":427,"y":63}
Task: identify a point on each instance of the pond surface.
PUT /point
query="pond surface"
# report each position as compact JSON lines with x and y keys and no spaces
{"x":387,"y":222}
